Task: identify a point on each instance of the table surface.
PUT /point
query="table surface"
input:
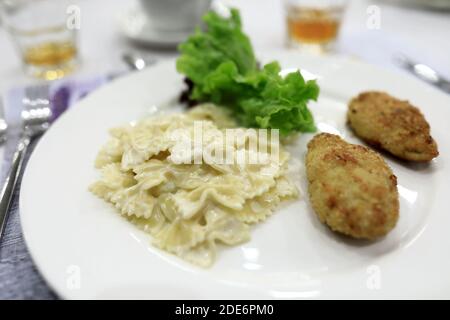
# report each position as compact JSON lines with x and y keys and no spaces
{"x":420,"y":34}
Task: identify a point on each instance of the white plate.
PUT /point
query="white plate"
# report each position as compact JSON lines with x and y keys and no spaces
{"x":137,"y":27}
{"x":85,"y":250}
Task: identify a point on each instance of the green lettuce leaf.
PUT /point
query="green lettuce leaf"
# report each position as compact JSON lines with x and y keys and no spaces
{"x":222,"y":66}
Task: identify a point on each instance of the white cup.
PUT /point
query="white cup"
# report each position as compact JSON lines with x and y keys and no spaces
{"x":175,"y":15}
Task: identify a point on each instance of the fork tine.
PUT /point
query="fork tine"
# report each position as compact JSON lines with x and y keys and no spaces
{"x":36,"y":95}
{"x":36,"y":112}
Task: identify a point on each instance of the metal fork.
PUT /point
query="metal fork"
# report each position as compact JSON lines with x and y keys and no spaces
{"x":36,"y":117}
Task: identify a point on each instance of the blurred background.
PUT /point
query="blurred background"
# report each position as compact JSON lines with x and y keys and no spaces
{"x":102,"y":31}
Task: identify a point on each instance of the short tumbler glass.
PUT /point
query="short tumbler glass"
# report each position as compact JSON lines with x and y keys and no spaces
{"x":44,"y":34}
{"x":313,"y":25}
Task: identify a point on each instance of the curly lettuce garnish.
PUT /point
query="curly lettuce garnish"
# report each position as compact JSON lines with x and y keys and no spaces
{"x":222,"y":67}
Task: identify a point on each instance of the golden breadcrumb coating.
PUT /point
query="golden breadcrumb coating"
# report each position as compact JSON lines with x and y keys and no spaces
{"x":351,"y":187}
{"x":393,"y":125}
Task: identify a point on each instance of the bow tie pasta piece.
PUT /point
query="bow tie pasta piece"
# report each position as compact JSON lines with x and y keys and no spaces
{"x":189,"y":208}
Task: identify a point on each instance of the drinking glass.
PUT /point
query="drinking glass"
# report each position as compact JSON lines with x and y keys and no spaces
{"x":44,"y":37}
{"x":313,"y":25}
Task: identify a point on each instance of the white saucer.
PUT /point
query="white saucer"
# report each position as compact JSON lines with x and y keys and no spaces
{"x":136,"y":26}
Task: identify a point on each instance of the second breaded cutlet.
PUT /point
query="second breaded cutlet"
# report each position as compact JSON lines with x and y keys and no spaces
{"x":393,"y":125}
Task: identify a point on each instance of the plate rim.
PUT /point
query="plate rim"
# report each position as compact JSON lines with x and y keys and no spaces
{"x":26,"y":233}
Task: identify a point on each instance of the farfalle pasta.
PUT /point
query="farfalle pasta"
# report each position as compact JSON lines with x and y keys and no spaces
{"x":190,"y":206}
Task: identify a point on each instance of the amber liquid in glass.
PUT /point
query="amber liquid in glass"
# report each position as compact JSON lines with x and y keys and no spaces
{"x":313,"y":26}
{"x":54,"y":59}
{"x":50,"y":53}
